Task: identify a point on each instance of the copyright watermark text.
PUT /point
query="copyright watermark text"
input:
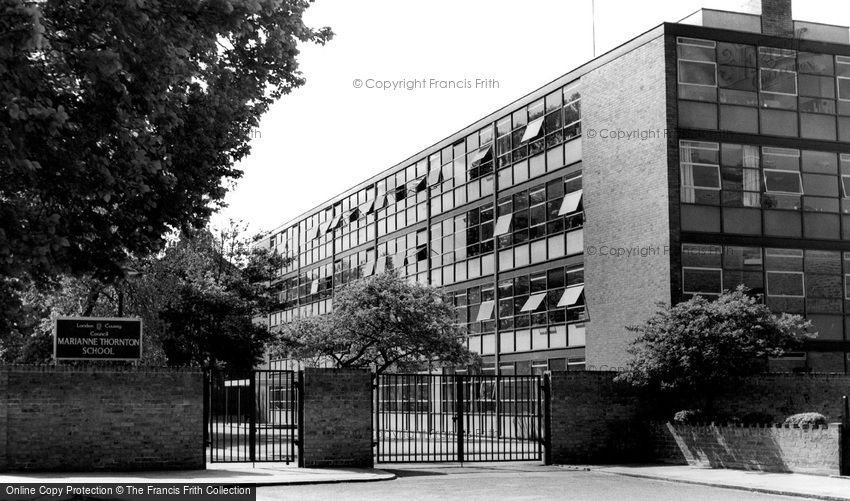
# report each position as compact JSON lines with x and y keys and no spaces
{"x":626,"y":134}
{"x":410,"y":84}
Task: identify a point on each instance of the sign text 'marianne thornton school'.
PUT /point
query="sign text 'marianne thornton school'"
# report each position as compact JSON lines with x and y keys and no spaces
{"x":92,"y":338}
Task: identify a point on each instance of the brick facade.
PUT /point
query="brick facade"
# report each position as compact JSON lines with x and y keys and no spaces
{"x":814,"y":451}
{"x":593,"y":420}
{"x":337,"y":424}
{"x":66,"y":419}
{"x":776,"y":18}
{"x":626,"y":198}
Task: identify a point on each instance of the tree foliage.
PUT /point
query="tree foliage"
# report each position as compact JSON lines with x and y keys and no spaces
{"x":384,"y":322}
{"x":699,"y":344}
{"x":197,"y":300}
{"x":121,"y":121}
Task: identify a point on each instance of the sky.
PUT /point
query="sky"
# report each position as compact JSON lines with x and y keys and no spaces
{"x":329,"y":135}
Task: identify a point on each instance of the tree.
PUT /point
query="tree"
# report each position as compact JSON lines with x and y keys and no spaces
{"x":197,"y":299}
{"x":700,"y":344}
{"x":384,"y":322}
{"x":121,"y":122}
{"x":202,"y":296}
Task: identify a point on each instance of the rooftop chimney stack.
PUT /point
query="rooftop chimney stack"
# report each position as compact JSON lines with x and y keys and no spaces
{"x":776,"y":18}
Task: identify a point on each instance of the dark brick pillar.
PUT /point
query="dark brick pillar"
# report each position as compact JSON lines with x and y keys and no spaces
{"x":776,"y":18}
{"x":337,"y":423}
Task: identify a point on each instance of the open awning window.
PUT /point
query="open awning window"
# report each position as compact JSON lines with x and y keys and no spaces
{"x":534,"y":301}
{"x":399,"y":260}
{"x":332,"y":225}
{"x":314,"y":286}
{"x":419,"y":184}
{"x":366,"y":208}
{"x":435,"y":176}
{"x":572,"y":296}
{"x":368,"y":268}
{"x":381,"y":264}
{"x":485,"y":311}
{"x":482,"y":154}
{"x":503,"y":224}
{"x":532,"y":130}
{"x":571,"y":203}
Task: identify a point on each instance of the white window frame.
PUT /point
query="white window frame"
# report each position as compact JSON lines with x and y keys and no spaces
{"x":702,"y":268}
{"x":796,"y":84}
{"x":491,"y":305}
{"x":571,"y":203}
{"x":838,"y":88}
{"x":532,"y":130}
{"x":578,"y":301}
{"x":846,"y":286}
{"x":844,"y":186}
{"x":799,"y":177}
{"x":564,"y":92}
{"x":784,"y":272}
{"x":679,"y":72}
{"x":538,"y":297}
{"x":841,"y":60}
{"x":501,"y":227}
{"x":698,"y":187}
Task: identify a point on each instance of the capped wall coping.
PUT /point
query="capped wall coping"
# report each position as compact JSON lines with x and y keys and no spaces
{"x":710,"y":425}
{"x":100,"y":368}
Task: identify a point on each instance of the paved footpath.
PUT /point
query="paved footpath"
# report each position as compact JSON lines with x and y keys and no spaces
{"x":219,"y":473}
{"x":788,"y":484}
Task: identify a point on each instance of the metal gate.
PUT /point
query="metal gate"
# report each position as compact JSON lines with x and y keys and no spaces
{"x":252,"y":416}
{"x":437,"y":418}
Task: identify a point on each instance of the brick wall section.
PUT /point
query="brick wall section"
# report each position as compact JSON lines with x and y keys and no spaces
{"x":626,"y":198}
{"x":781,"y":395}
{"x":594,"y":420}
{"x":776,"y":18}
{"x":337,"y":425}
{"x":813,"y":451}
{"x":66,"y":419}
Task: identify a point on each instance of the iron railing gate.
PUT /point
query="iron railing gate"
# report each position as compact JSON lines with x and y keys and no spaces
{"x":252,"y":416}
{"x":436,"y":418}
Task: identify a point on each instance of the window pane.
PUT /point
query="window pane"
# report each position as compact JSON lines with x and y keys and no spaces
{"x":811,"y":85}
{"x":819,"y":64}
{"x":698,"y":115}
{"x":697,"y":73}
{"x":696,"y":49}
{"x":817,"y":126}
{"x":736,"y":54}
{"x":782,"y":181}
{"x":778,"y":81}
{"x":785,"y":284}
{"x":701,"y":281}
{"x":733,"y":77}
{"x":844,"y":89}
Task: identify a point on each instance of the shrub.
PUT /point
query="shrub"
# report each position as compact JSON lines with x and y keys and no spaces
{"x":689,"y":416}
{"x":806,"y":419}
{"x":698,"y":345}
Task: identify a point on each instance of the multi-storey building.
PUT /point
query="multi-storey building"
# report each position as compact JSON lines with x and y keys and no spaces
{"x":698,"y":156}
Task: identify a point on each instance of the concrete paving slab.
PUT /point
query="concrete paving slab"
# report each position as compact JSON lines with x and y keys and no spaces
{"x":788,"y":484}
{"x":219,"y":473}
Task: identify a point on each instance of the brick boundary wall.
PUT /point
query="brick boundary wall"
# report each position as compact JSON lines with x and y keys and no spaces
{"x":337,"y":423}
{"x":814,"y":451}
{"x":593,"y":419}
{"x":96,"y":418}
